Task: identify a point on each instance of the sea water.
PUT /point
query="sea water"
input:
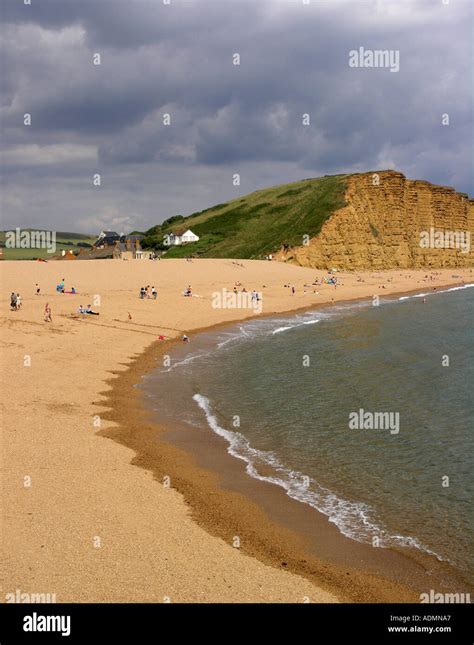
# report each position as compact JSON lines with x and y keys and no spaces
{"x":281,"y":392}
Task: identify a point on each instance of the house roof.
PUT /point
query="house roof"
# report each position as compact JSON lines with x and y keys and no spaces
{"x":107,"y":239}
{"x":96,"y":254}
{"x":109,"y":234}
{"x":181,"y":232}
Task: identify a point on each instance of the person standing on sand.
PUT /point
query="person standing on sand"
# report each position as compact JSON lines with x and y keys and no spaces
{"x":47,"y":313}
{"x":18,"y":301}
{"x":13,"y":301}
{"x":292,"y":291}
{"x":154,"y":293}
{"x":37,"y":289}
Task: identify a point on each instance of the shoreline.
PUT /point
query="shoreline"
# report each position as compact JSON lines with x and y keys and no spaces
{"x":83,"y":489}
{"x":227,"y":511}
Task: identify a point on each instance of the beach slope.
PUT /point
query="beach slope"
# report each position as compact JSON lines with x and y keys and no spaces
{"x":79,"y":519}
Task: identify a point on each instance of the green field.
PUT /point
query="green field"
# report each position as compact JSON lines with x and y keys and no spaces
{"x":257,"y":224}
{"x":64,"y":240}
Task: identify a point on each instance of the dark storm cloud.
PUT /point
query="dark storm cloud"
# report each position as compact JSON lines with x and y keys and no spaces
{"x":176,"y":59}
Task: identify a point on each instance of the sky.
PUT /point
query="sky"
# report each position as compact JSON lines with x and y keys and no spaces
{"x":228,"y":115}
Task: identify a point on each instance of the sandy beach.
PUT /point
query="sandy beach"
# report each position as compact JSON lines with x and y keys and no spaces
{"x":82,"y":517}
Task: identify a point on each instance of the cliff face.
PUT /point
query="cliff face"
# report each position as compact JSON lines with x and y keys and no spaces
{"x":390,"y":221}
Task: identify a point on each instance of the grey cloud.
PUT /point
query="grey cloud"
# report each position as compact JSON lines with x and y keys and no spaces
{"x":225,"y":118}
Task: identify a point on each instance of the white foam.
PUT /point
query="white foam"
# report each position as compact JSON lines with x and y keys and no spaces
{"x":224,"y":342}
{"x":185,"y":361}
{"x":278,"y":330}
{"x":353,"y":519}
{"x":417,"y":295}
{"x":433,"y":293}
{"x":463,"y":286}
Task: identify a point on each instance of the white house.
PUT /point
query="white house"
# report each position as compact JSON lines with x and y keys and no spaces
{"x":176,"y":238}
{"x":189,"y":236}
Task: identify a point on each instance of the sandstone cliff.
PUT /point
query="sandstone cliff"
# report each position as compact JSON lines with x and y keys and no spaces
{"x":380,"y":226}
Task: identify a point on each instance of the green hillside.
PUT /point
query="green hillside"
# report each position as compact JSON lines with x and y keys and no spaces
{"x":257,"y":224}
{"x":64,"y":240}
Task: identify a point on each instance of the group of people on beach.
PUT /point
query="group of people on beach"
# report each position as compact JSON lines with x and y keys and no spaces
{"x":15,"y":301}
{"x":331,"y":279}
{"x":148,"y":292}
{"x":61,"y":288}
{"x":255,"y":296}
{"x":87,"y":310}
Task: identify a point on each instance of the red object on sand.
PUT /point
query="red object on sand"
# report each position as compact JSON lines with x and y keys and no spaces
{"x":161,"y":337}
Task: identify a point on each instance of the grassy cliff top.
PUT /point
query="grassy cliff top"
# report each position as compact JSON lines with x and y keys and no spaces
{"x":259,"y":223}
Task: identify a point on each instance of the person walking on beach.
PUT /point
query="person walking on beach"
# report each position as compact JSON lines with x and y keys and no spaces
{"x":13,"y":301}
{"x":293,"y":290}
{"x":37,"y":289}
{"x":18,"y":301}
{"x":47,"y":313}
{"x":154,"y":293}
